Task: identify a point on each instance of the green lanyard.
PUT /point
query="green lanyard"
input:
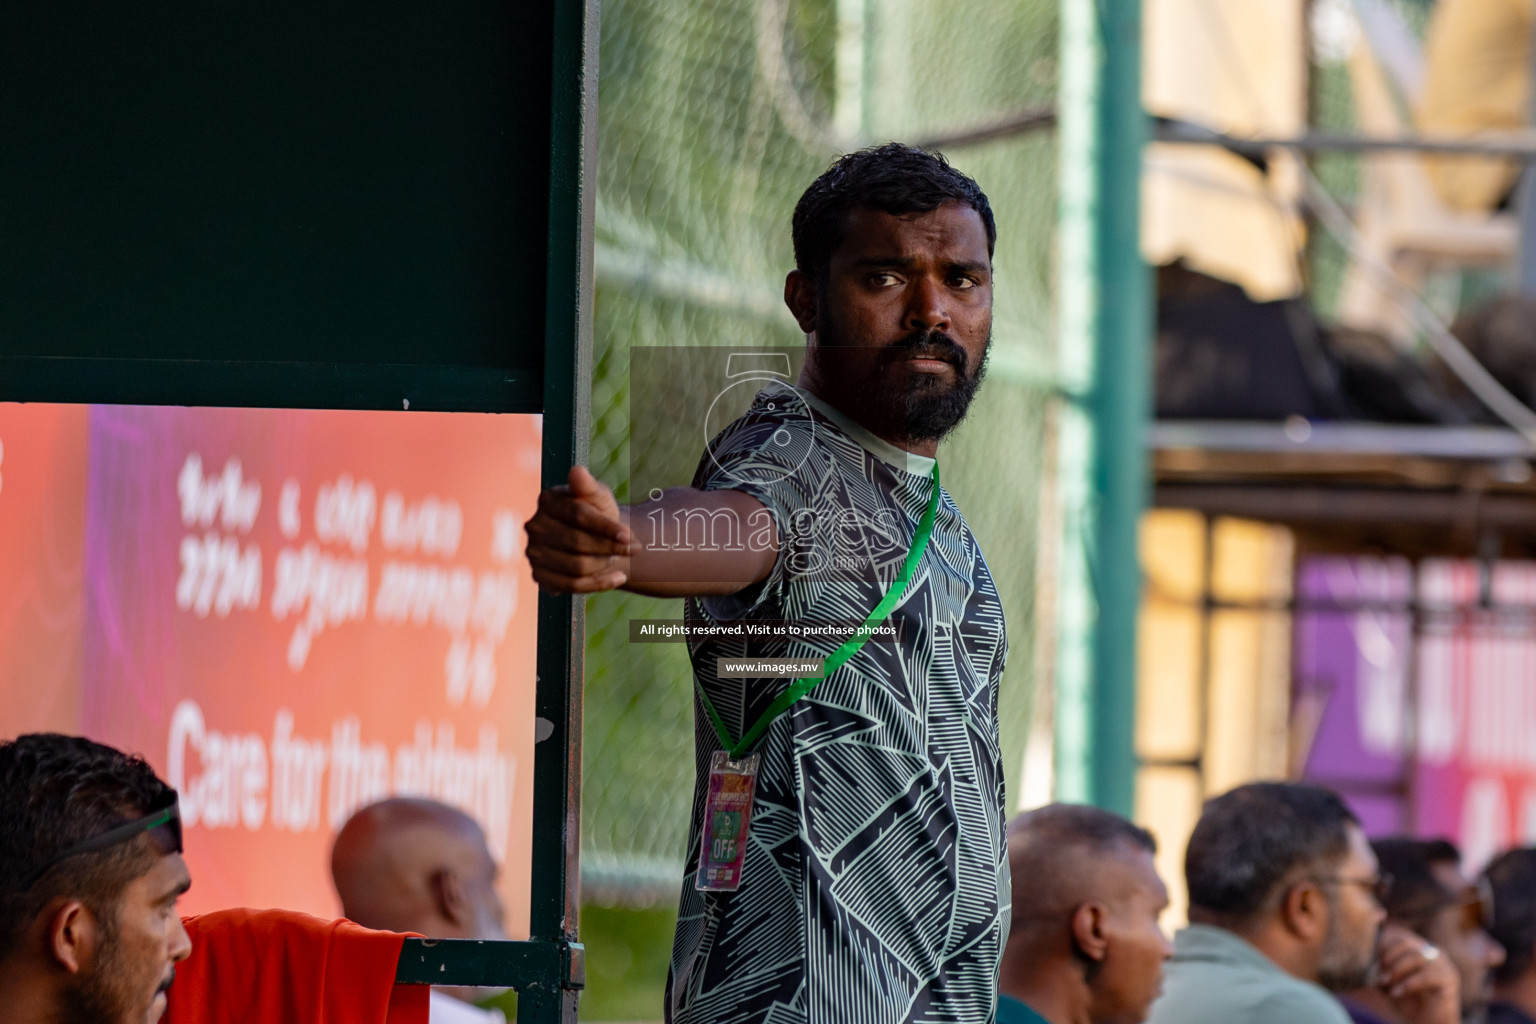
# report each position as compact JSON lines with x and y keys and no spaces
{"x":839,"y":657}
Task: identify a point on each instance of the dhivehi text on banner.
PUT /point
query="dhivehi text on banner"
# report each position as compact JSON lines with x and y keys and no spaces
{"x":288,"y":613}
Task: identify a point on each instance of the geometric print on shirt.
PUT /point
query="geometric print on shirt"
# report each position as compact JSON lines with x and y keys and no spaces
{"x":875,"y":887}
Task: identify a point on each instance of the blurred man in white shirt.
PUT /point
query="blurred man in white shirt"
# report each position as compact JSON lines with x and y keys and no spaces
{"x":410,"y":865}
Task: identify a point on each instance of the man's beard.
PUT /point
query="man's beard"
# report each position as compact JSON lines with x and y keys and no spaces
{"x":1341,"y":967}
{"x":100,"y":996}
{"x":924,"y":406}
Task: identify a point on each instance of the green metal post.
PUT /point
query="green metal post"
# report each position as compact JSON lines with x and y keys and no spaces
{"x":555,"y":899}
{"x":1105,"y":331}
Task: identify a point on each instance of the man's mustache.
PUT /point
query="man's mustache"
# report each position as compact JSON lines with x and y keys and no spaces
{"x":927,"y":345}
{"x":166,"y":984}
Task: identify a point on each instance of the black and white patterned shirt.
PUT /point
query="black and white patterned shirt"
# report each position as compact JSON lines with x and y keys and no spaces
{"x":875,"y":887}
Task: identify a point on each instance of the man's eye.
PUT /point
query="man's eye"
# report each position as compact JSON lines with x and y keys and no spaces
{"x":962,"y":283}
{"x":882,"y":280}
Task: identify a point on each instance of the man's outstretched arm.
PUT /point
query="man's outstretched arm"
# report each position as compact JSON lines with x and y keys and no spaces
{"x":686,"y":543}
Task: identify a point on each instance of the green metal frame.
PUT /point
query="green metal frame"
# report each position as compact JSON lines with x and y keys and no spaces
{"x":555,"y":904}
{"x":548,"y":969}
{"x":547,"y":975}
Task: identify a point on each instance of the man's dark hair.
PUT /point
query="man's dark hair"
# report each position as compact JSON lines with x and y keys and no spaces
{"x":1511,"y":878}
{"x":57,"y":791}
{"x":1050,"y":851}
{"x":1416,"y":894}
{"x":1250,"y":840}
{"x":893,"y":178}
{"x":1082,"y":825}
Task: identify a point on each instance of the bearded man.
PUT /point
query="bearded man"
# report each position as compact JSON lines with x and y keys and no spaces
{"x":91,"y":869}
{"x":847,"y":854}
{"x":1286,"y":909}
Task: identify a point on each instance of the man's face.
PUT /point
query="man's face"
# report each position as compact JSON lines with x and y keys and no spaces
{"x":903,"y":320}
{"x":1354,"y":919}
{"x":490,"y":915}
{"x":127,"y":979}
{"x":1458,"y":930}
{"x":1131,"y":974}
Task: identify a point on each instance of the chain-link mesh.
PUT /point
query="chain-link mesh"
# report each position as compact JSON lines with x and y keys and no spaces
{"x":1335,"y":32}
{"x":714,"y":115}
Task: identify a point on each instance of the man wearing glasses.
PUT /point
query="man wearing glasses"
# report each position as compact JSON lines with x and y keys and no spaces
{"x":1432,"y":899}
{"x":91,"y":868}
{"x":1285,"y":908}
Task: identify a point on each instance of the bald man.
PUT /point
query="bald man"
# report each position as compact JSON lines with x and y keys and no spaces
{"x":1085,"y":946}
{"x":407,"y":865}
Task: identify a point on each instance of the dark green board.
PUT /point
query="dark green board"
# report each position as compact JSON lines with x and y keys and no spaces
{"x":335,"y":182}
{"x":322,"y":204}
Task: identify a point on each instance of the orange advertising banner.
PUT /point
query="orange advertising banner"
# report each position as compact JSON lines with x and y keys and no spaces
{"x":288,"y":613}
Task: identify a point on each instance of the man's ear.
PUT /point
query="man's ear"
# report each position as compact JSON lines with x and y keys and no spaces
{"x":452,"y":899}
{"x":1304,"y":911}
{"x":72,"y":935}
{"x":1090,"y":931}
{"x":800,"y":297}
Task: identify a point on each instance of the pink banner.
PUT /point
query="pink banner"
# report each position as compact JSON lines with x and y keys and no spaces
{"x":288,"y":613}
{"x":1429,"y":729}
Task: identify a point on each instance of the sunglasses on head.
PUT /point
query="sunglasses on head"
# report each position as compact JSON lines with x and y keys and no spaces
{"x":166,"y":815}
{"x":1473,"y":906}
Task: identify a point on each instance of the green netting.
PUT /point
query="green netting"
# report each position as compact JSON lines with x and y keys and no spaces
{"x":713,"y":117}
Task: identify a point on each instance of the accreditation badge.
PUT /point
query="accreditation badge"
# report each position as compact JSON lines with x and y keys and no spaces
{"x":727,"y":813}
